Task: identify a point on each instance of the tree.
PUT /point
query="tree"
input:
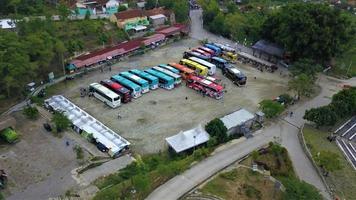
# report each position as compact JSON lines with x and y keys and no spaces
{"x":271,"y":108}
{"x":322,"y":116}
{"x":299,"y":190}
{"x":305,"y":66}
{"x":329,"y":161}
{"x":344,"y":102}
{"x":150,"y":4}
{"x":64,"y":11}
{"x":61,"y":121}
{"x":31,"y":112}
{"x":181,"y":10}
{"x":87,"y":15}
{"x":60,"y":49}
{"x":322,"y":32}
{"x":121,"y":8}
{"x":217,"y":129}
{"x":302,"y":85}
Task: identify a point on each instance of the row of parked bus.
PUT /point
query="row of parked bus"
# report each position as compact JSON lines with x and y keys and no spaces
{"x":209,"y":57}
{"x":122,"y":87}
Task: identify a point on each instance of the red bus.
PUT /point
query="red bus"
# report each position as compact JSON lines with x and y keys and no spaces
{"x":206,"y":49}
{"x":206,"y":87}
{"x":202,"y":52}
{"x":117,"y":88}
{"x":185,"y":72}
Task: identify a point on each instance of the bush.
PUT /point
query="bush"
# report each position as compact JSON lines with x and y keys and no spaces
{"x":79,"y":151}
{"x":271,"y":108}
{"x":299,"y":190}
{"x":31,"y":112}
{"x":231,"y":175}
{"x":217,"y":129}
{"x":61,"y":121}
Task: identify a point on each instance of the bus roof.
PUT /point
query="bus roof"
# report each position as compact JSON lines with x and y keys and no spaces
{"x":196,"y":54}
{"x":160,"y":75}
{"x":224,"y":47}
{"x":126,"y":82}
{"x":144,"y":74}
{"x":104,"y":90}
{"x":197,"y":65}
{"x":207,"y":50}
{"x":201,"y":52}
{"x":134,"y":78}
{"x":202,"y":62}
{"x":170,"y":68}
{"x":116,"y":86}
{"x":213,"y":47}
{"x":207,"y":83}
{"x":167,"y":72}
{"x":182,"y":68}
{"x":219,"y":59}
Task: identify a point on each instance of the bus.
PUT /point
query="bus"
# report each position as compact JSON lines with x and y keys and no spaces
{"x":211,"y":67}
{"x":220,"y":63}
{"x":164,"y":81}
{"x":177,"y":78}
{"x":206,"y":49}
{"x":185,"y":72}
{"x":152,"y":80}
{"x":225,"y":47}
{"x":202,"y":52}
{"x":205,"y":87}
{"x":216,"y":49}
{"x":145,"y":87}
{"x":105,"y":95}
{"x":188,"y":54}
{"x":198,"y":68}
{"x":119,"y":89}
{"x":133,"y":87}
{"x":170,"y":68}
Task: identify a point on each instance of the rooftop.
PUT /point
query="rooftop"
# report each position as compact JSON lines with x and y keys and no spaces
{"x":237,"y":118}
{"x":269,"y":48}
{"x":7,"y":23}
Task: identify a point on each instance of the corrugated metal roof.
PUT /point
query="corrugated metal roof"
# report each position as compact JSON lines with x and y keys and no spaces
{"x":153,"y":38}
{"x":188,"y":139}
{"x":237,"y":118}
{"x":269,"y":48}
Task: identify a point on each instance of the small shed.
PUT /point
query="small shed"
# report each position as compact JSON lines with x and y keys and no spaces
{"x":238,"y":122}
{"x":186,"y":140}
{"x":157,"y":20}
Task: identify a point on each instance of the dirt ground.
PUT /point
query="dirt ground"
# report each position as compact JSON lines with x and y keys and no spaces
{"x":39,"y":165}
{"x":148,"y":120}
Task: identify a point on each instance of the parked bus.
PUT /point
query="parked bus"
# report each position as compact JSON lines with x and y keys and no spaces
{"x":188,"y":54}
{"x":133,"y":87}
{"x":211,"y":67}
{"x":202,"y":52}
{"x":152,"y":80}
{"x":177,"y":78}
{"x":105,"y":95}
{"x":145,"y":87}
{"x":216,"y":49}
{"x":185,"y":72}
{"x":225,"y":47}
{"x":164,"y":81}
{"x":205,"y":87}
{"x":220,"y":63}
{"x":119,"y":89}
{"x":206,"y":49}
{"x":170,"y":68}
{"x":198,"y":68}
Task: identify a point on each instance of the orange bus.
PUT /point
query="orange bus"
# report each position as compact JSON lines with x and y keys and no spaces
{"x":185,"y":72}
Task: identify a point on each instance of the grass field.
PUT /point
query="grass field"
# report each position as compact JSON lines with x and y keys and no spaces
{"x":344,"y":180}
{"x":242,"y":183}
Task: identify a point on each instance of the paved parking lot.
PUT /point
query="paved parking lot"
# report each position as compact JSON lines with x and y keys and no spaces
{"x":147,"y":121}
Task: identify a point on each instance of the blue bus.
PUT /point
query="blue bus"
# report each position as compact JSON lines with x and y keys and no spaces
{"x":153,"y":81}
{"x":170,"y":68}
{"x":145,"y":87}
{"x":165,"y":81}
{"x":216,"y":49}
{"x":220,"y":63}
{"x":133,"y":87}
{"x":188,"y":54}
{"x":177,"y":78}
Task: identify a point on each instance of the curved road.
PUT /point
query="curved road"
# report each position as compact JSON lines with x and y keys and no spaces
{"x":285,"y":130}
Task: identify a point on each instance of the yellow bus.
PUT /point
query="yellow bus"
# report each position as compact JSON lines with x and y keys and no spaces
{"x":198,"y":68}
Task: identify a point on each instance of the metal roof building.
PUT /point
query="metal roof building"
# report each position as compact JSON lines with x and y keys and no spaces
{"x":188,"y":139}
{"x":82,"y":120}
{"x":268,"y":48}
{"x":234,"y":121}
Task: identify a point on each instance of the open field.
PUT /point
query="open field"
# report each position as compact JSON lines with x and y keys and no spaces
{"x":342,"y":181}
{"x":148,"y":120}
{"x":39,"y":165}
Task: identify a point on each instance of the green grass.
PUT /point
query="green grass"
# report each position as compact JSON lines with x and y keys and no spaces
{"x":343,"y":180}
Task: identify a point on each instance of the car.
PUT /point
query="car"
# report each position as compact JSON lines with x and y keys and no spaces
{"x":47,"y":127}
{"x":101,"y":147}
{"x":235,"y":75}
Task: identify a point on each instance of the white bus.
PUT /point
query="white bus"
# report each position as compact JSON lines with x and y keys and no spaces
{"x":211,"y":67}
{"x":105,"y":95}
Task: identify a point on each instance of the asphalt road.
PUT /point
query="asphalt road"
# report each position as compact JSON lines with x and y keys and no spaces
{"x":285,"y":131}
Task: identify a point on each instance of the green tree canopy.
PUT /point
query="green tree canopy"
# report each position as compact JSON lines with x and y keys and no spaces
{"x":271,"y":108}
{"x":121,"y":8}
{"x":61,"y":121}
{"x":321,"y":116}
{"x":344,"y":102}
{"x":302,"y":85}
{"x":217,"y":129}
{"x":309,"y":30}
{"x":305,"y":66}
{"x":299,"y":190}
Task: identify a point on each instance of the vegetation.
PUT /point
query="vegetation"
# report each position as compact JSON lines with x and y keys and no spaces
{"x":61,"y":121}
{"x":121,"y":8}
{"x":343,"y":178}
{"x":326,"y":31}
{"x":271,"y":108}
{"x":343,"y":105}
{"x":180,"y":8}
{"x":79,"y":152}
{"x":305,"y":66}
{"x":299,"y":190}
{"x":302,"y":85}
{"x":328,"y":161}
{"x":217,"y":130}
{"x":31,"y":112}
